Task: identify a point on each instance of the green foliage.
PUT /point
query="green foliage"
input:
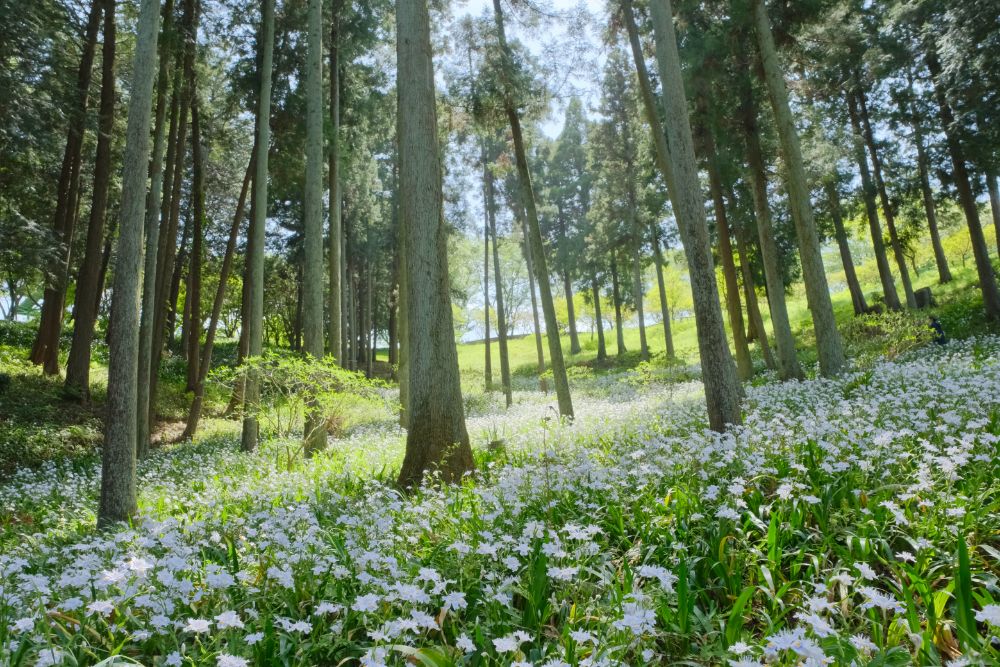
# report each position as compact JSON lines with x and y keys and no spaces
{"x":886,"y":335}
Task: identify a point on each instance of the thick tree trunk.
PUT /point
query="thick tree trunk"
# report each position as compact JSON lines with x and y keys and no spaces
{"x":534,"y":232}
{"x":254,"y":321}
{"x":336,"y":252}
{"x":436,"y":438}
{"x":987,"y":279}
{"x":887,"y":207}
{"x":152,"y":234}
{"x":828,"y":344}
{"x":312,"y":295}
{"x":871,"y":209}
{"x":118,"y":483}
{"x":46,"y":348}
{"x":602,"y":349}
{"x":490,"y":202}
{"x":853,"y":284}
{"x":616,"y":296}
{"x":85,"y":307}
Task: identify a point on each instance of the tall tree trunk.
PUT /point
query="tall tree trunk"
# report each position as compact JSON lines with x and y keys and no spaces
{"x":85,"y":308}
{"x":991,"y":187}
{"x":254,"y":321}
{"x":312,"y":302}
{"x":436,"y":438}
{"x":152,"y":234}
{"x":336,"y":252}
{"x":194,"y":414}
{"x":370,"y":323}
{"x":887,"y":208}
{"x":677,"y":164}
{"x":750,"y":291}
{"x":744,"y":364}
{"x":616,"y":296}
{"x":784,"y":339}
{"x":487,"y":361}
{"x":631,"y":196}
{"x":829,"y":347}
{"x":242,"y":347}
{"x":543,"y":384}
{"x":662,"y":287}
{"x":574,"y":337}
{"x":403,"y":372}
{"x":118,"y":483}
{"x":179,"y":275}
{"x":871,"y":208}
{"x":640,"y":312}
{"x":602,"y":349}
{"x":393,"y":333}
{"x":46,"y":348}
{"x":853,"y":284}
{"x":987,"y":279}
{"x":490,"y":202}
{"x":194,"y":271}
{"x":109,"y":242}
{"x":534,"y":232}
{"x":944,"y":272}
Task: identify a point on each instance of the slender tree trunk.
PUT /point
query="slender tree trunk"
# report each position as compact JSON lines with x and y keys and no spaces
{"x":404,"y":329}
{"x":744,"y":364}
{"x":574,"y":337}
{"x":542,"y":382}
{"x":617,"y":298}
{"x":602,"y":349}
{"x":370,"y":324}
{"x":636,"y":234}
{"x":152,"y":235}
{"x":944,"y":272}
{"x":394,"y":297}
{"x":194,"y":415}
{"x":179,"y":275}
{"x":46,"y":348}
{"x":254,"y":321}
{"x":85,"y":307}
{"x":661,"y":285}
{"x":109,"y":242}
{"x":991,"y":187}
{"x":853,"y":284}
{"x":242,"y":347}
{"x":987,"y":279}
{"x":639,"y":306}
{"x":887,"y":208}
{"x":194,"y":271}
{"x":336,"y":252}
{"x":871,"y":208}
{"x":750,"y":290}
{"x":829,"y":346}
{"x":498,"y":283}
{"x":534,"y":232}
{"x":488,"y":362}
{"x":436,"y":438}
{"x":118,"y":483}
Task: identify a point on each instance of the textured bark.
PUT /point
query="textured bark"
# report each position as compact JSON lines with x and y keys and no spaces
{"x":152,"y":234}
{"x":750,"y":293}
{"x":616,"y":296}
{"x":205,"y":363}
{"x":871,"y":209}
{"x":534,"y":231}
{"x":930,"y":209}
{"x":312,"y":272}
{"x":987,"y":279}
{"x":668,"y":336}
{"x":853,"y":285}
{"x":887,"y":207}
{"x":118,"y":483}
{"x":436,"y":438}
{"x":631,"y":197}
{"x":46,"y":347}
{"x":197,"y":250}
{"x":501,"y":311}
{"x":336,"y":252}
{"x":254,"y":321}
{"x":828,"y":344}
{"x":487,"y":361}
{"x":991,"y":187}
{"x":574,"y":337}
{"x":85,"y":307}
{"x":602,"y":349}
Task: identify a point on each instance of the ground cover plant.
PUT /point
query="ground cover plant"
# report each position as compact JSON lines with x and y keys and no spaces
{"x":848,"y":521}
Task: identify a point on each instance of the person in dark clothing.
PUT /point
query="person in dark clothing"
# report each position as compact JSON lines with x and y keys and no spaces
{"x":939,"y":336}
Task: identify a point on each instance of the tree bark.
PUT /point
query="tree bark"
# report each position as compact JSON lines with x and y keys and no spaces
{"x":750,"y":292}
{"x":661,"y":285}
{"x":602,"y":349}
{"x":336,"y":252}
{"x":887,"y":208}
{"x":118,"y":483}
{"x":991,"y":187}
{"x":490,"y":203}
{"x":152,"y":234}
{"x":853,"y":284}
{"x":829,"y":346}
{"x":487,"y":361}
{"x":987,"y":279}
{"x":534,"y":231}
{"x":436,"y":438}
{"x":46,"y":348}
{"x":255,"y":247}
{"x":85,"y":307}
{"x":944,"y":272}
{"x":616,"y":295}
{"x":543,"y":384}
{"x":194,"y":271}
{"x":871,"y":208}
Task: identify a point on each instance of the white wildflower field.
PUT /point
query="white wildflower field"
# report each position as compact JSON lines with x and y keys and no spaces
{"x":853,"y":522}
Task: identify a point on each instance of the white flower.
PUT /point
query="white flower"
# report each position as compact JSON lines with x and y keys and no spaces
{"x":228,"y":619}
{"x":739,"y":648}
{"x":508,"y":644}
{"x":455,"y":600}
{"x":366,"y":603}
{"x":198,"y":625}
{"x":226,"y":660}
{"x":375,"y":657}
{"x":101,"y":607}
{"x":990,"y":614}
{"x":866,"y":571}
{"x":465,"y":644}
{"x":23,"y":624}
{"x":173,"y":660}
{"x":50,"y":656}
{"x":253,"y":638}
